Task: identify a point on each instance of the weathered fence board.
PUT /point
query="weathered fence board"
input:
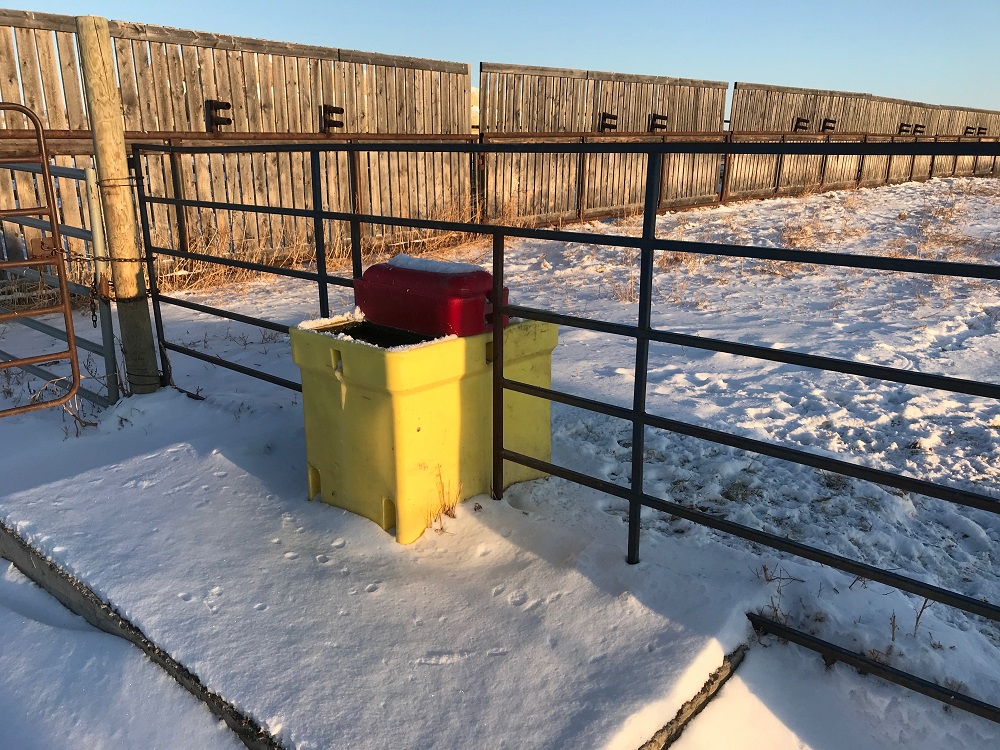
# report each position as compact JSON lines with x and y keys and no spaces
{"x":526,"y":100}
{"x":842,"y":115}
{"x":166,"y":75}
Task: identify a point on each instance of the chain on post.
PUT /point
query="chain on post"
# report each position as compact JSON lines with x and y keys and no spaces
{"x":93,"y":301}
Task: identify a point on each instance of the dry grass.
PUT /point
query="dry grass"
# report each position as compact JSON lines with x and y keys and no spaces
{"x":179,"y":274}
{"x":296,"y":249}
{"x":19,"y":294}
{"x":803,"y":236}
{"x":851,"y":199}
{"x":626,"y":290}
{"x":447,"y":503}
{"x":814,"y":234}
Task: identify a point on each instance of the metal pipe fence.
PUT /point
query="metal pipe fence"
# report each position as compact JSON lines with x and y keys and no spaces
{"x":101,"y":313}
{"x":642,"y":332}
{"x":48,"y":256}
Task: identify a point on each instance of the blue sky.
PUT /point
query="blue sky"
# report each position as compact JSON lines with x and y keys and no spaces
{"x":939,"y":52}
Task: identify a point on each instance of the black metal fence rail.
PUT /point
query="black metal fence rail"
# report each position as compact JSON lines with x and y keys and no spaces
{"x":643,"y":333}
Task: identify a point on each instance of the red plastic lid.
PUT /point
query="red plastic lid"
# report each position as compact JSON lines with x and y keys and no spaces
{"x":430,"y":283}
{"x":433,"y":298}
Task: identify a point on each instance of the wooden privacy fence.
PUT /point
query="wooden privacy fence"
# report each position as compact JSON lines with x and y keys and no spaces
{"x":39,"y":68}
{"x":184,"y":87}
{"x":173,"y":85}
{"x":530,"y":103}
{"x":778,"y":113}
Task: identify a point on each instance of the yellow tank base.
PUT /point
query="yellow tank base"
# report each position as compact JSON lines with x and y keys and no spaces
{"x":400,"y":435}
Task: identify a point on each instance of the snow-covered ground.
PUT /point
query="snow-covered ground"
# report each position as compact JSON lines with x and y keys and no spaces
{"x":519,"y":625}
{"x":68,"y":685}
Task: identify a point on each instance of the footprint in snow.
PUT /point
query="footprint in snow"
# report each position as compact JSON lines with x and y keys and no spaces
{"x":371,"y":588}
{"x":438,"y":658}
{"x":260,"y":606}
{"x":338,"y":543}
{"x":291,"y":555}
{"x":185,"y":596}
{"x":518,"y":598}
{"x":322,"y":559}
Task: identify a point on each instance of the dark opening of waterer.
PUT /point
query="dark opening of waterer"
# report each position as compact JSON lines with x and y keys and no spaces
{"x":385,"y":337}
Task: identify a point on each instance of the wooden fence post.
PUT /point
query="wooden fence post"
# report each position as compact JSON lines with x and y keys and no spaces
{"x":104,"y":104}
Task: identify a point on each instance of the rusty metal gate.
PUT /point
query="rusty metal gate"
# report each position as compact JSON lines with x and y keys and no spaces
{"x":46,"y":256}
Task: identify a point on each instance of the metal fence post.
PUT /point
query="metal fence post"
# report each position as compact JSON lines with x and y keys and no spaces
{"x":727,"y":168}
{"x":653,"y":176}
{"x":352,"y":174}
{"x":154,"y":291}
{"x":318,"y":234}
{"x":178,"y":194}
{"x":102,"y":276}
{"x":498,"y":314}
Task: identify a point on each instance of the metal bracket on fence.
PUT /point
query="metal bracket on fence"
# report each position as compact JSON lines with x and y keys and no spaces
{"x":656,"y":122}
{"x":213,"y":117}
{"x":327,"y":120}
{"x":608,"y":122}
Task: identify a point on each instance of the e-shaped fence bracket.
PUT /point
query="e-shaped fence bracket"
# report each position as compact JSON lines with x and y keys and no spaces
{"x":608,"y":122}
{"x":327,"y":120}
{"x":656,"y":122}
{"x":213,"y":117}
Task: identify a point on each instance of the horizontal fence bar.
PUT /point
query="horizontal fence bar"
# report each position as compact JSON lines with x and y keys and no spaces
{"x":832,"y":653}
{"x":252,"y":266}
{"x":178,"y":137}
{"x":220,"y":313}
{"x":783,"y":544}
{"x":53,"y":281}
{"x":36,"y":360}
{"x":843,"y":260}
{"x":831,"y":364}
{"x":7,"y":214}
{"x":7,"y":265}
{"x":838,"y":148}
{"x":56,"y":171}
{"x":773,"y":450}
{"x":57,"y":333}
{"x":66,"y":231}
{"x":57,"y":380}
{"x":22,"y":159}
{"x":18,"y":314}
{"x":218,"y":361}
